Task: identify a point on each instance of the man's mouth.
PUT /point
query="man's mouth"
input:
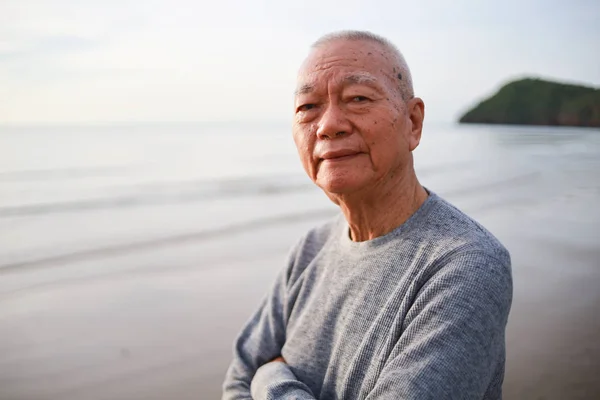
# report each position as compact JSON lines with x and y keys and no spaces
{"x":339,"y":155}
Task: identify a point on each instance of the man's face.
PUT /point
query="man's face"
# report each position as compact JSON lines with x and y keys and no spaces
{"x":351,"y":127}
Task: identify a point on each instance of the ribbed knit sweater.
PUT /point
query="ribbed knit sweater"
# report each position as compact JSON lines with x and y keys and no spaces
{"x":419,"y":313}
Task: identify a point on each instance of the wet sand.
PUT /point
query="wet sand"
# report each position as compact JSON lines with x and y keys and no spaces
{"x":158,"y":325}
{"x":161,"y":327}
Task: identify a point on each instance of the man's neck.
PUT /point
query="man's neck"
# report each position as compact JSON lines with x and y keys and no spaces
{"x":384,"y":209}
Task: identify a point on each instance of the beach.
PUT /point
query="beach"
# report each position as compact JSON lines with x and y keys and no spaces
{"x":130,"y":257}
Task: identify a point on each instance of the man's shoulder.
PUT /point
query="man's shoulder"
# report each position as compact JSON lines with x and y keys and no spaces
{"x":313,"y":241}
{"x":450,"y":231}
{"x":451,"y":246}
{"x":310,"y":245}
{"x":455,"y":232}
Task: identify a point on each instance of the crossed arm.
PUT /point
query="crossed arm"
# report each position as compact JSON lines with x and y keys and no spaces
{"x":452,"y":340}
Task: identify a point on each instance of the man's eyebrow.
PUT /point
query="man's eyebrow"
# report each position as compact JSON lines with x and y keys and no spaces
{"x":354,"y":79}
{"x":304,"y":89}
{"x":360,"y":79}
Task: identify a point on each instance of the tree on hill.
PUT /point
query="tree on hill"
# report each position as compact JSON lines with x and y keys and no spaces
{"x":539,"y":102}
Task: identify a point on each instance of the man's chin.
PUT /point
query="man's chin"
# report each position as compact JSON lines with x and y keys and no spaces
{"x":339,"y":187}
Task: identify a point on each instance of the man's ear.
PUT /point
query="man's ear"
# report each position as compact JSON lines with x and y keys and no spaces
{"x":416,"y":113}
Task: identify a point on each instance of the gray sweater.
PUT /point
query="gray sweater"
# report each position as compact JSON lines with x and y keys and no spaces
{"x":419,"y":313}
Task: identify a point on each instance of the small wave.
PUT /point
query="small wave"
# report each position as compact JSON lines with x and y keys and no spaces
{"x":166,"y":194}
{"x":430,"y":170}
{"x":32,"y":175}
{"x":167,"y":241}
{"x":518,"y":180}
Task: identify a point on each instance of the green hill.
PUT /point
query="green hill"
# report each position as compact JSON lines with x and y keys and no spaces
{"x":539,"y":102}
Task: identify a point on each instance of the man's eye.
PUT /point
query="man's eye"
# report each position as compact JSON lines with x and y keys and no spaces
{"x":306,"y":107}
{"x":359,"y":99}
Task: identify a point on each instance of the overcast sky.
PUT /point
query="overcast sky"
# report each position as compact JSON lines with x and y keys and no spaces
{"x":80,"y":61}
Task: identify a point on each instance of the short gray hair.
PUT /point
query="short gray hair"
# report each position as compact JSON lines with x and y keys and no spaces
{"x":406,"y":85}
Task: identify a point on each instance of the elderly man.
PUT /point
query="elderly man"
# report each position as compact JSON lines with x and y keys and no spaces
{"x":401,"y":297}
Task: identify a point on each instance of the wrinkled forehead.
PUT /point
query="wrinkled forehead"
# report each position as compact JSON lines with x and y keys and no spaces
{"x":344,"y":62}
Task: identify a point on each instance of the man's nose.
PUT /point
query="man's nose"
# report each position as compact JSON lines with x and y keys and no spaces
{"x":333,"y":123}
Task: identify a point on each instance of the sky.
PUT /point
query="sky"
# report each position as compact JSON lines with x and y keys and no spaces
{"x":113,"y":61}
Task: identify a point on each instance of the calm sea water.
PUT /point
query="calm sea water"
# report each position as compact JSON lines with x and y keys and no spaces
{"x":130,"y":256}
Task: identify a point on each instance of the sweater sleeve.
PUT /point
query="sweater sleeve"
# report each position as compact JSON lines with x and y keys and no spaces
{"x":452,"y":340}
{"x":260,"y":341}
{"x":275,"y":381}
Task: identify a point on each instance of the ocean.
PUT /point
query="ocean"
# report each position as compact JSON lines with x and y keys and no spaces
{"x":131,"y":255}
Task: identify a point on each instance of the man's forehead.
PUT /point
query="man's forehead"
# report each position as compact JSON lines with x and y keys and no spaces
{"x":310,"y":83}
{"x":364,"y":53}
{"x":344,"y":61}
{"x":345,"y":48}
